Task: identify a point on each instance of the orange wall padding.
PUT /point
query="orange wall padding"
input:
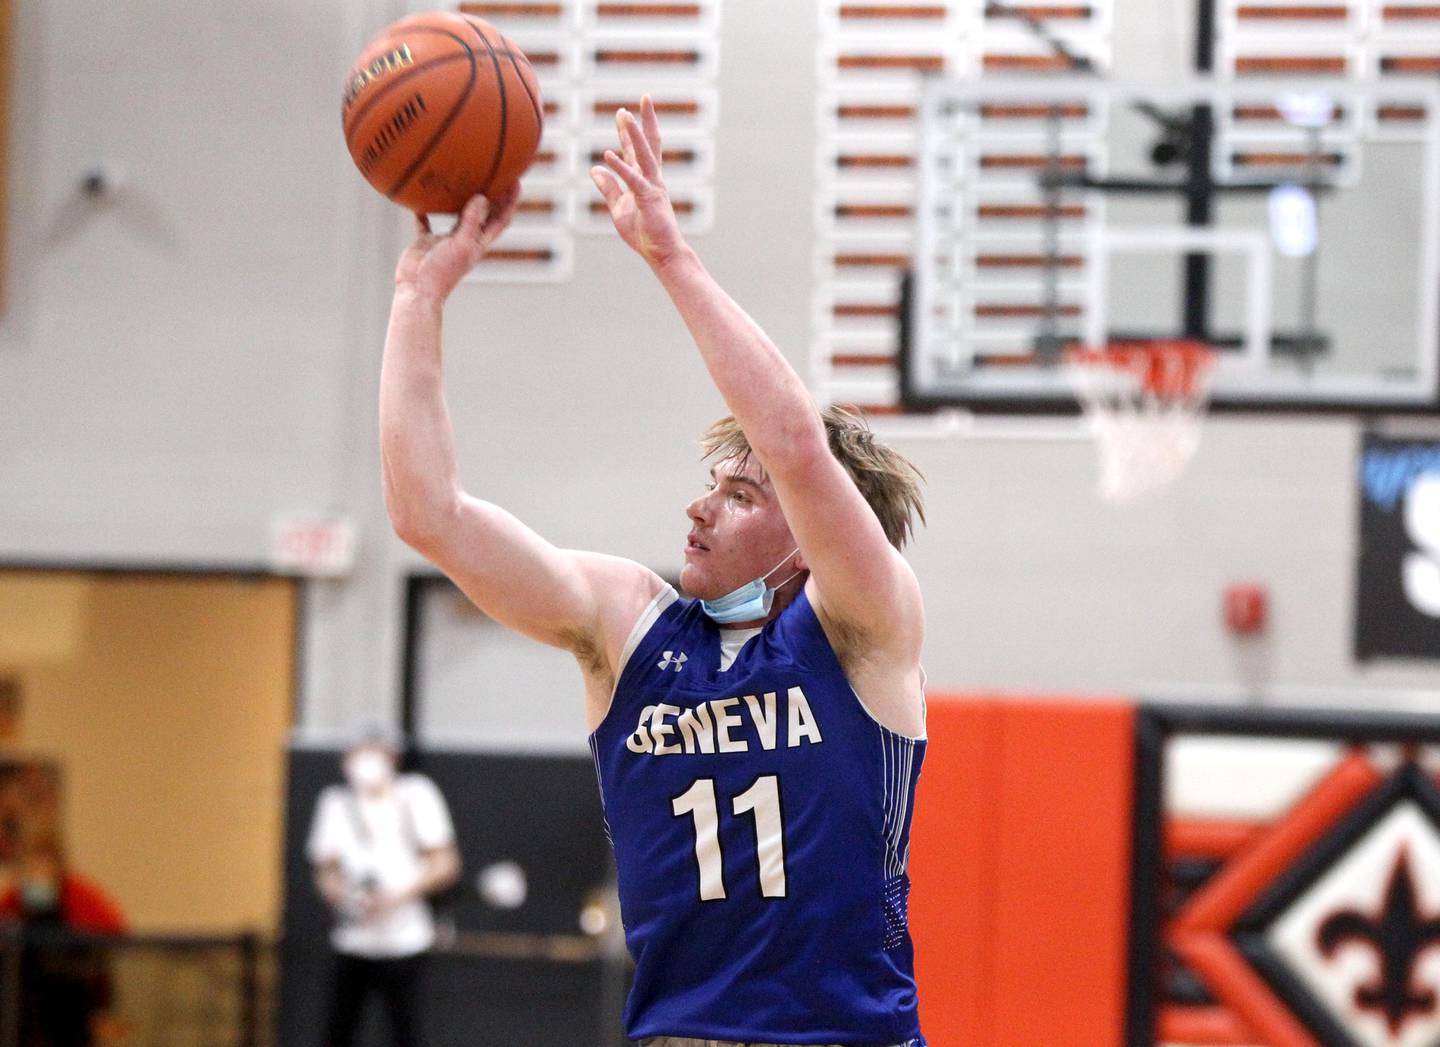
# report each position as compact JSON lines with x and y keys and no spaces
{"x":1020,"y":865}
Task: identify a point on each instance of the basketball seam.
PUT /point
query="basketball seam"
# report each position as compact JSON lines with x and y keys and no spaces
{"x":539,"y":115}
{"x":444,"y":126}
{"x":539,"y":110}
{"x":504,"y":108}
{"x":349,"y":124}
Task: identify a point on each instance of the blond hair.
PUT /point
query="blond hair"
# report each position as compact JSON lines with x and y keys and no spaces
{"x":888,"y":481}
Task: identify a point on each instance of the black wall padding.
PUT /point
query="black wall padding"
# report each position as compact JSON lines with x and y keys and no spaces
{"x":542,"y":812}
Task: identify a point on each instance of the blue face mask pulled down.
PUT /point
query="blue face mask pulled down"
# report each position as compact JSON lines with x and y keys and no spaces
{"x":749,"y":602}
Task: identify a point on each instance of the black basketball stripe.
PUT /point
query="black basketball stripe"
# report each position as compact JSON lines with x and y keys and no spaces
{"x":413,"y":71}
{"x":534,"y":102}
{"x":504,"y":108}
{"x":439,"y":134}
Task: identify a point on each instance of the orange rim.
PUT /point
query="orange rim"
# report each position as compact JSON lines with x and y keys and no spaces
{"x":1166,"y":370}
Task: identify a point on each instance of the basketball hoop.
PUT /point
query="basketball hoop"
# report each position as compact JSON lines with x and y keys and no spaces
{"x":1146,"y":402}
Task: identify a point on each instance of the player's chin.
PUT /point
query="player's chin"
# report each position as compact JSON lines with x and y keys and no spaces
{"x":694,"y":584}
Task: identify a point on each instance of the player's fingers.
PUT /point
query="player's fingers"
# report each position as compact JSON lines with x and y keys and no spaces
{"x":422,"y":223}
{"x":632,"y":177}
{"x":495,"y":224}
{"x":502,"y":209}
{"x":627,"y":148}
{"x":640,"y":154}
{"x":604,"y":181}
{"x":472,"y":218}
{"x":651,"y":123}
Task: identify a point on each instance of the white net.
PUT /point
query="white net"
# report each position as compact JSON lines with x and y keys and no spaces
{"x":1146,"y":405}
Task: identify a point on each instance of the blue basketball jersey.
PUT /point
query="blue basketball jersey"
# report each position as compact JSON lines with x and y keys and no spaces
{"x":761,"y":822}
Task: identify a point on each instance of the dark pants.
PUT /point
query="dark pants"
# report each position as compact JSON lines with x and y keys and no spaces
{"x":62,"y":988}
{"x":397,"y":983}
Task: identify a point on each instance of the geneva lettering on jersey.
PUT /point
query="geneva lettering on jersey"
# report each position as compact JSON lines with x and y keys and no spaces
{"x":727,"y":725}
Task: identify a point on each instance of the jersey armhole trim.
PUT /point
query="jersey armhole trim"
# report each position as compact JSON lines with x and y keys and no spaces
{"x":648,"y":617}
{"x":924,"y":713}
{"x":835,"y":661}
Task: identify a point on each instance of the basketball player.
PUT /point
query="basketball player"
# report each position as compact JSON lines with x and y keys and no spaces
{"x":758,"y":742}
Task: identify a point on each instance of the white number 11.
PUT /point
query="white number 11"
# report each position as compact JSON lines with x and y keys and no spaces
{"x":763,"y":799}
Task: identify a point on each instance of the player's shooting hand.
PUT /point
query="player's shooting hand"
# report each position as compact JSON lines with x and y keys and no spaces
{"x":433,"y":264}
{"x":634,"y":188}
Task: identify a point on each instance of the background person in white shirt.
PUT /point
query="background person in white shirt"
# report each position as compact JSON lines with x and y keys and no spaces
{"x":379,"y":845}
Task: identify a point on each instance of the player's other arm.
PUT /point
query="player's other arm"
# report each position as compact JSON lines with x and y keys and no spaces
{"x":559,"y":597}
{"x":864,"y":587}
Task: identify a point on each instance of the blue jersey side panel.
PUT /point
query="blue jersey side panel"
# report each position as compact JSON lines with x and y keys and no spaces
{"x":802,"y":938}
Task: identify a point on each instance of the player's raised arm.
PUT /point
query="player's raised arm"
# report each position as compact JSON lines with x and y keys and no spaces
{"x":863,"y":584}
{"x":575,"y":600}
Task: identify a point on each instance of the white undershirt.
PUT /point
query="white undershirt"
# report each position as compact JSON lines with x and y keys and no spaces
{"x":731,"y":640}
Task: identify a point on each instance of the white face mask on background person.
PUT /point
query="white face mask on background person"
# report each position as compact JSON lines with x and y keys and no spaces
{"x":369,"y":770}
{"x":39,"y":896}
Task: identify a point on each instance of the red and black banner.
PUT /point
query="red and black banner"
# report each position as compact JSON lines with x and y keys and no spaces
{"x":1318,"y":927}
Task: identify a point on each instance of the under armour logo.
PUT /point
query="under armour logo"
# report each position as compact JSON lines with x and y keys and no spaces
{"x":671,"y":658}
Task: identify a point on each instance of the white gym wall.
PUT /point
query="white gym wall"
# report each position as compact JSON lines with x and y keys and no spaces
{"x":200,"y":350}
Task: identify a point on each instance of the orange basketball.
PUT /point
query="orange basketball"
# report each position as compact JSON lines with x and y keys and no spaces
{"x":439,"y":107}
